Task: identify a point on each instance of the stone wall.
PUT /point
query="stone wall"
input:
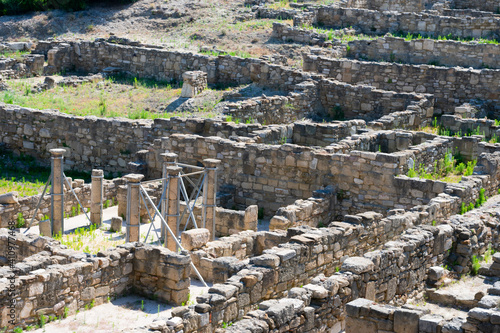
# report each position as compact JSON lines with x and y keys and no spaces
{"x":465,"y":12}
{"x":27,"y":205}
{"x":316,"y":211}
{"x":376,"y":22}
{"x":324,"y":134}
{"x":29,"y":65}
{"x":486,"y":5}
{"x":272,"y":109}
{"x":280,"y":14}
{"x":444,"y":83}
{"x":341,"y":99}
{"x":465,"y":126}
{"x":168,"y":65}
{"x":289,"y":33}
{"x":385,"y":5}
{"x":367,"y":316}
{"x":427,"y":51}
{"x":103,"y":143}
{"x":50,"y":278}
{"x":273,"y":176}
{"x":141,"y":62}
{"x":393,"y":273}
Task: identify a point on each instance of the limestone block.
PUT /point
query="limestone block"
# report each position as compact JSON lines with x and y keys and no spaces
{"x":357,"y":265}
{"x":116,"y":224}
{"x":406,"y":321}
{"x":194,"y":82}
{"x":251,"y":217}
{"x":9,"y":198}
{"x":436,"y":273}
{"x":44,"y":227}
{"x":279,"y":223}
{"x":195,"y":238}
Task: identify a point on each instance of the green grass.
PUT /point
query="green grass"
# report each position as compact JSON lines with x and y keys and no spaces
{"x":409,"y":37}
{"x":118,"y":96}
{"x":89,"y":239}
{"x":241,"y":54}
{"x":18,"y":55}
{"x":335,"y":33}
{"x":24,"y":175}
{"x":447,"y":169}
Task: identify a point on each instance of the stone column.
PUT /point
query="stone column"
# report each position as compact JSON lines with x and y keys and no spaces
{"x":173,"y":194}
{"x":133,"y":204}
{"x":57,"y":192}
{"x":169,"y":159}
{"x":96,"y":197}
{"x":209,"y":194}
{"x":194,"y":82}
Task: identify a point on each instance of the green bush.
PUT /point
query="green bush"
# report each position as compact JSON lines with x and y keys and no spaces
{"x":475,"y":265}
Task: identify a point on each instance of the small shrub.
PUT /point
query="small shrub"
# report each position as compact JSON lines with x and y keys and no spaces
{"x":43,"y":320}
{"x":463,"y":208}
{"x":20,"y":221}
{"x":66,"y":312}
{"x":475,"y":265}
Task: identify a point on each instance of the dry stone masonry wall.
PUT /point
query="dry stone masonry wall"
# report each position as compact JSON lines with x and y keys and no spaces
{"x":27,"y":205}
{"x":52,"y":278}
{"x":375,"y":22}
{"x":427,"y":51}
{"x":449,"y":86}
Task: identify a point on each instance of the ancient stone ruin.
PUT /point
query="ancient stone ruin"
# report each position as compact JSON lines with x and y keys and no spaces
{"x":355,"y":192}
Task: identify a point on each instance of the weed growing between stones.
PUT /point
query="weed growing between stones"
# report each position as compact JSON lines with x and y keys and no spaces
{"x":479,"y":202}
{"x":92,"y":237}
{"x":446,"y":169}
{"x":20,"y":221}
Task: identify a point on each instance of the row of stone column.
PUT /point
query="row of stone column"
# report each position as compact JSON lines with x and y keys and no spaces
{"x":170,"y":205}
{"x":57,"y":195}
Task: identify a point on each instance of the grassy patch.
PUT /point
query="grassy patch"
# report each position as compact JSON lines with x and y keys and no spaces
{"x":337,"y":34}
{"x":409,"y":37}
{"x":440,"y":130}
{"x":91,"y":240}
{"x":24,"y":175}
{"x":447,"y":169}
{"x":115,"y":97}
{"x":280,"y":4}
{"x":18,"y":55}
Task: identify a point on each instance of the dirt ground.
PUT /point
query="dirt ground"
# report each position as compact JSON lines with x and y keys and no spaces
{"x":182,"y":24}
{"x":118,"y":315}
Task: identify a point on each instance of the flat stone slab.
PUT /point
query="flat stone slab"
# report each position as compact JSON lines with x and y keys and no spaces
{"x":357,"y":265}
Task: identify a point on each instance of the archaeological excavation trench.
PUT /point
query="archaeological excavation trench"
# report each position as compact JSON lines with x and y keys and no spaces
{"x":353,"y":190}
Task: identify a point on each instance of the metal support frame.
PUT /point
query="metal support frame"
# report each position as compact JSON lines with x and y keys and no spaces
{"x":171,"y":233}
{"x":196,"y":190}
{"x":78,"y":200}
{"x":39,"y":203}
